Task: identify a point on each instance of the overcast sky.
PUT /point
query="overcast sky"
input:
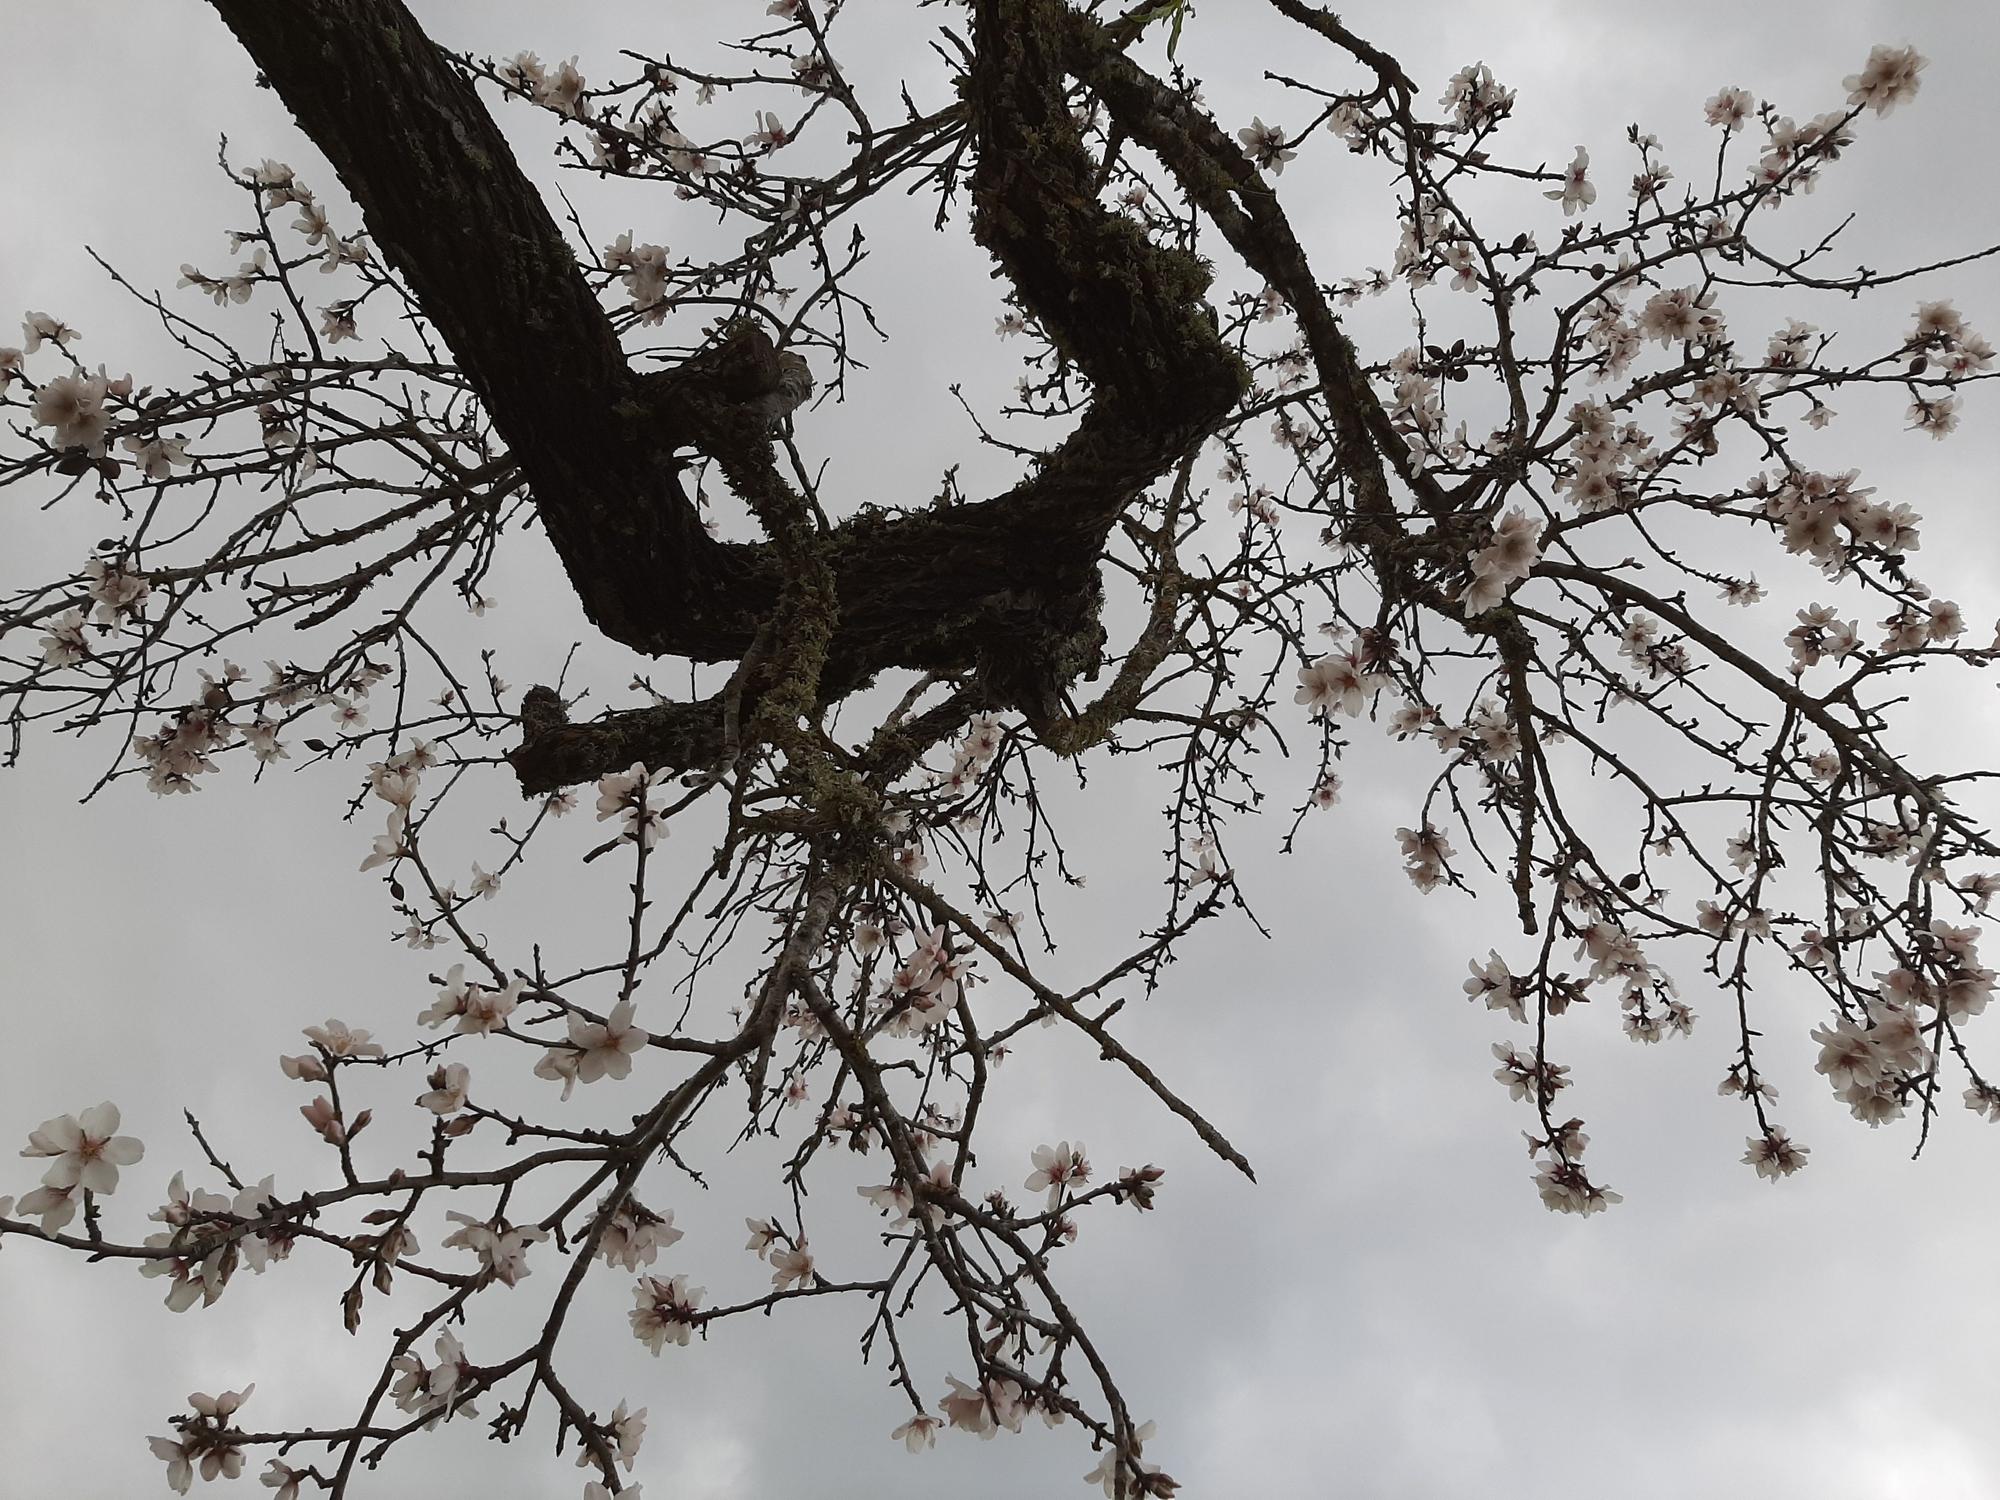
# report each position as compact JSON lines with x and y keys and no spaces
{"x":1391,"y":1312}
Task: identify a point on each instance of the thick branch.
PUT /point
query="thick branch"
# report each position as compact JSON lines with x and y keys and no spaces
{"x":1006,"y":588}
{"x":455,"y":216}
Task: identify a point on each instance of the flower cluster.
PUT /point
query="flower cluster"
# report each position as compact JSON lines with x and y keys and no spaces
{"x":633,"y":1234}
{"x":626,"y":795}
{"x":560,"y":89}
{"x":643,"y":269}
{"x":436,"y":1392}
{"x":973,"y":754}
{"x":666,"y":1311}
{"x":502,"y":1248}
{"x":1426,"y":855}
{"x":925,"y":988}
{"x":206,"y":1443}
{"x":1504,"y":561}
{"x":202,"y":1245}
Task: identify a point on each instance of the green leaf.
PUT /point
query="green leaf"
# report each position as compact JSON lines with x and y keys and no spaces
{"x":1177,"y":11}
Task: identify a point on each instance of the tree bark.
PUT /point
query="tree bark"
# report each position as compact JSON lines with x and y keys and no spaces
{"x":1005,"y":589}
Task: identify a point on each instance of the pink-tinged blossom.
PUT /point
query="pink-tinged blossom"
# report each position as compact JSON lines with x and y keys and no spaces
{"x":1209,"y":868}
{"x":1889,"y":78}
{"x":389,"y":846}
{"x":274,"y":1242}
{"x":559,"y":1064}
{"x":1333,"y":683}
{"x":312,"y":222}
{"x":1460,"y":262}
{"x":1426,"y":855}
{"x":935,"y":1185}
{"x":999,"y":1403}
{"x":1507,"y":559}
{"x":624,"y":795}
{"x":434,"y":1391}
{"x":180,"y":1454}
{"x":183,"y":1207}
{"x":88,"y":1151}
{"x":451,"y":1000}
{"x":1577,"y":192}
{"x":1898,"y":1033}
{"x":324,"y":1118}
{"x":1524,"y":1077}
{"x":1936,"y":415}
{"x":1680,"y":315}
{"x":1730,"y":108}
{"x":891,"y":1198}
{"x":55,"y":1207}
{"x":279,"y":182}
{"x":1265,"y":145}
{"x":634,"y":1235}
{"x":666,"y":1311}
{"x":262,"y":738}
{"x":1475,"y":99}
{"x":919,"y":1433}
{"x":156,"y":457}
{"x":792,"y":1266}
{"x":204,"y":1444}
{"x":1566,"y":1190}
{"x":1875,"y":1105}
{"x":1775,"y":1155}
{"x":604,"y":1048}
{"x":1138,"y":1186}
{"x":1058,"y":1167}
{"x":349,"y":716}
{"x":563,"y":92}
{"x":74,"y":406}
{"x":221,"y":1409}
{"x":39,"y":327}
{"x":628,"y":1431}
{"x":1116,"y":1465}
{"x":770,"y":132}
{"x":522,"y":73}
{"x":449,"y":1084}
{"x":305,"y":1068}
{"x":196,"y":1270}
{"x":395,"y":785}
{"x":1847,"y":1056}
{"x":1493,"y":983}
{"x":338,"y":1040}
{"x":502,"y":1248}
{"x":479,"y":1011}
{"x":65,"y":645}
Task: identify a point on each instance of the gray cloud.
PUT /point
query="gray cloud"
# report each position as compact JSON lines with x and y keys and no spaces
{"x":1391,"y":1313}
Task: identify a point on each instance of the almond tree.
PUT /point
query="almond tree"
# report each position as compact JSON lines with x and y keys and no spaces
{"x":1519,"y":549}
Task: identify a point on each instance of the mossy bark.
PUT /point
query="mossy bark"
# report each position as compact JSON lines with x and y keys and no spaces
{"x":1005,"y":590}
